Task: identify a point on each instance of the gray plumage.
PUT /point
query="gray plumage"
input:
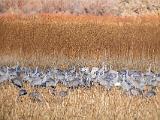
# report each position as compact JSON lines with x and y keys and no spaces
{"x":36,"y":97}
{"x":94,"y":72}
{"x":131,"y":81}
{"x":63,"y":93}
{"x":122,"y":73}
{"x":27,"y":78}
{"x":126,"y":85}
{"x":17,"y":82}
{"x":87,"y":81}
{"x":37,"y":81}
{"x":22,"y":92}
{"x":105,"y":83}
{"x":137,"y":75}
{"x":150,"y":93}
{"x":135,"y":92}
{"x":3,"y":78}
{"x":73,"y":84}
{"x":51,"y":82}
{"x":3,"y":71}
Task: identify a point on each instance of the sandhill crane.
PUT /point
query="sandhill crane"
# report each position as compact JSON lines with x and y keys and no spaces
{"x":87,"y":81}
{"x":49,"y":82}
{"x":132,"y":86}
{"x":3,"y":71}
{"x":108,"y":78}
{"x":17,"y":82}
{"x":36,"y":81}
{"x":122,"y":74}
{"x":150,"y":93}
{"x":69,"y":76}
{"x":59,"y":74}
{"x":131,"y":81}
{"x":63,"y":93}
{"x":27,"y":78}
{"x":158,"y":79}
{"x":112,"y":76}
{"x":126,"y":84}
{"x":138,"y":84}
{"x":94,"y":72}
{"x":104,"y":80}
{"x":74,"y":83}
{"x":133,"y":92}
{"x":22,"y":92}
{"x":150,"y":77}
{"x":149,"y":72}
{"x":84,"y":69}
{"x":135,"y":74}
{"x":11,"y":71}
{"x":35,"y":73}
{"x":105,"y":83}
{"x":18,"y":69}
{"x":71,"y":70}
{"x":36,"y":97}
{"x":3,"y":78}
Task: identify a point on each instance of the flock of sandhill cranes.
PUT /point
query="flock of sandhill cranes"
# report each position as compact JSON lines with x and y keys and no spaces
{"x":132,"y":82}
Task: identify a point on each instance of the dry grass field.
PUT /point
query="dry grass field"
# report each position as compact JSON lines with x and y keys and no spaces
{"x":82,"y":104}
{"x":50,"y":40}
{"x":79,"y":7}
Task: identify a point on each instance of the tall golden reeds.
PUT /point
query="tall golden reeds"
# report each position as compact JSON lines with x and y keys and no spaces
{"x":47,"y":40}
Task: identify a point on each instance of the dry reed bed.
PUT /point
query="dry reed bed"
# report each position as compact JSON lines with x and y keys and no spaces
{"x":92,"y":104}
{"x":49,"y":40}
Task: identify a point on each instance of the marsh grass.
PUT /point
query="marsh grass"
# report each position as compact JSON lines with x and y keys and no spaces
{"x":55,"y":40}
{"x":49,"y":40}
{"x":95,"y":103}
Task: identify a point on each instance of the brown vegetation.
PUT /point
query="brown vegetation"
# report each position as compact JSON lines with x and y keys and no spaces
{"x":49,"y":40}
{"x":79,"y":7}
{"x":92,"y":104}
